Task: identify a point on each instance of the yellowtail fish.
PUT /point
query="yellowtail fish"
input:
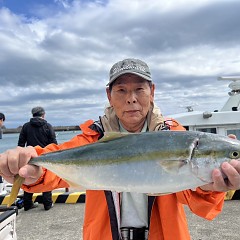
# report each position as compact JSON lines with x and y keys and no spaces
{"x":151,"y":162}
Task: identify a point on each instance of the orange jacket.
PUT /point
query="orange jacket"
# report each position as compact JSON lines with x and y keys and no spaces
{"x":168,"y":220}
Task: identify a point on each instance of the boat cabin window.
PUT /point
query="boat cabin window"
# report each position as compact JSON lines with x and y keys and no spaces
{"x":236,"y":132}
{"x":208,"y":130}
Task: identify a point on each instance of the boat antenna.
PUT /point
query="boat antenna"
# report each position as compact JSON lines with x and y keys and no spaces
{"x":233,"y":102}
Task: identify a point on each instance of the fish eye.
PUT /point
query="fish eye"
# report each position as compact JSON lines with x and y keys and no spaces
{"x":234,"y":154}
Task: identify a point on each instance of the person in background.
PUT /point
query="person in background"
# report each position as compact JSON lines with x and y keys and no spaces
{"x":2,"y":119}
{"x":129,"y":216}
{"x":37,"y":132}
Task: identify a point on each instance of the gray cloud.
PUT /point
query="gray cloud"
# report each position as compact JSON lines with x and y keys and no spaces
{"x":60,"y":56}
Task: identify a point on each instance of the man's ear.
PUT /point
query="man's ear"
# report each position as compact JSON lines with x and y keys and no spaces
{"x":152,"y":91}
{"x":108,"y":95}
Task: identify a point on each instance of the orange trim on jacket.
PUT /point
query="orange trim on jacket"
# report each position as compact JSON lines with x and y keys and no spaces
{"x":168,"y":220}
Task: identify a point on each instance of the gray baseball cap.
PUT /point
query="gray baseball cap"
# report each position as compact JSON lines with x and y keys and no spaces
{"x":130,"y":65}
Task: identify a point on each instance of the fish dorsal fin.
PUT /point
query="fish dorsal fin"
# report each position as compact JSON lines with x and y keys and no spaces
{"x":108,"y":136}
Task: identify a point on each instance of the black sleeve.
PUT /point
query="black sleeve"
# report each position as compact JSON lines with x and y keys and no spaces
{"x":52,"y":135}
{"x":22,"y":138}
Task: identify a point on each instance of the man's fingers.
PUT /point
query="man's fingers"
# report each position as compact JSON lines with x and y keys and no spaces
{"x":11,"y":161}
{"x":4,"y":165}
{"x":232,"y":173}
{"x":232,"y":136}
{"x":219,"y":183}
{"x":25,"y":156}
{"x":235,"y":164}
{"x":8,"y":179}
{"x":31,"y":173}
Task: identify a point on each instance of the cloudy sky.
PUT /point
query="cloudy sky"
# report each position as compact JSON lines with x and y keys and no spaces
{"x":57,"y":53}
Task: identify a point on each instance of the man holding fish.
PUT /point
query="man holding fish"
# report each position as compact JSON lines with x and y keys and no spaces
{"x":133,"y":215}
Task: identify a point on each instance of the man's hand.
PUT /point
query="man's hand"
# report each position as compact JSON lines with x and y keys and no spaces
{"x":232,"y":182}
{"x":231,"y":170}
{"x":14,"y":161}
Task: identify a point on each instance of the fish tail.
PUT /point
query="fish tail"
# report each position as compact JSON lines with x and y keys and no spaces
{"x":18,"y":181}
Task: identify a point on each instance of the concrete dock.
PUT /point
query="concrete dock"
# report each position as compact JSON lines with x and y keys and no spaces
{"x":64,"y":221}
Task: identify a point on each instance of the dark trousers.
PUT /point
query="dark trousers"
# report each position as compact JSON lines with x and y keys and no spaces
{"x":46,"y":198}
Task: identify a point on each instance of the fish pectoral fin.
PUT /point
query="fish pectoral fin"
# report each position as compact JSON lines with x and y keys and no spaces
{"x":111,"y":136}
{"x":172,"y":166}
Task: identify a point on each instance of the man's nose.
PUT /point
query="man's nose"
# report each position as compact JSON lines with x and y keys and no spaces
{"x":131,"y":98}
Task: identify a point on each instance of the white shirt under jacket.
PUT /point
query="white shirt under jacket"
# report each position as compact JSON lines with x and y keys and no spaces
{"x":134,"y":206}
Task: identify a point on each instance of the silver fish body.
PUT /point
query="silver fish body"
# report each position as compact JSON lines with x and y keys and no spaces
{"x":151,"y":162}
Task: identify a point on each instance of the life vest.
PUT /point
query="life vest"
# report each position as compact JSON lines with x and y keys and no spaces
{"x":172,"y":124}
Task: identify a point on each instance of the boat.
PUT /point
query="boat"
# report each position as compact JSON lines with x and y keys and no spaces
{"x":224,"y":122}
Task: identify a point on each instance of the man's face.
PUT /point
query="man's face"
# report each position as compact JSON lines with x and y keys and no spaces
{"x":131,"y":98}
{"x":1,"y":122}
